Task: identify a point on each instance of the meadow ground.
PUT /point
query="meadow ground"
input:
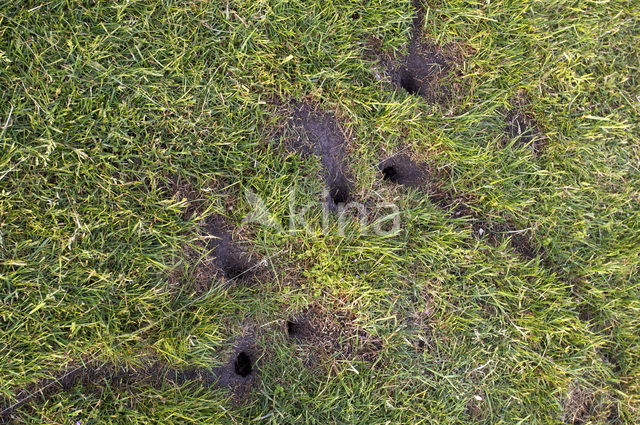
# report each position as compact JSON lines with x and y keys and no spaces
{"x":153,"y":155}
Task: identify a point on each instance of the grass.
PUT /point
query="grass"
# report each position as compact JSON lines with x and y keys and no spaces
{"x":105,"y":105}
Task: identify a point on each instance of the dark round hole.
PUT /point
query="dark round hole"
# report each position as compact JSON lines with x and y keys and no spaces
{"x":421,"y":344}
{"x":409,"y":83}
{"x":339,"y":194}
{"x":355,"y":15}
{"x":292,"y":328}
{"x":243,"y":364}
{"x":234,"y":269}
{"x":390,"y":173}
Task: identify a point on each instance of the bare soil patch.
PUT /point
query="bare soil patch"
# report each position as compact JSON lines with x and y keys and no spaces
{"x":226,"y":260}
{"x":401,"y":169}
{"x":428,"y":70}
{"x":317,"y":132}
{"x":419,"y":71}
{"x":240,"y":373}
{"x":226,"y":254}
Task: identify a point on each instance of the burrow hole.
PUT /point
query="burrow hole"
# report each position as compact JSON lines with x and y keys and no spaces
{"x":339,"y":190}
{"x":234,"y":268}
{"x":292,"y":328}
{"x":390,"y":173}
{"x":409,"y":83}
{"x":339,"y":194}
{"x":243,"y":364}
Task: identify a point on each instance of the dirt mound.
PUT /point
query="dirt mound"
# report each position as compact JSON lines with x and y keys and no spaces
{"x":316,"y":132}
{"x":240,"y":373}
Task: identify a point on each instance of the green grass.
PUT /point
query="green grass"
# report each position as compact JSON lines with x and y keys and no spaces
{"x":103,"y":103}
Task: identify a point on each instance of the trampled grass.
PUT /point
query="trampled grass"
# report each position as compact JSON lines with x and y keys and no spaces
{"x":126,"y":126}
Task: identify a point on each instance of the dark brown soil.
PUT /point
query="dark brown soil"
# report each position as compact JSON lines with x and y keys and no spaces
{"x":420,"y":70}
{"x":300,"y":327}
{"x":194,"y":270}
{"x":240,"y":373}
{"x":418,"y":18}
{"x":193,"y":375}
{"x":429,"y":70}
{"x":400,"y":169}
{"x":316,"y":132}
{"x":226,"y":254}
{"x":456,"y":205}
